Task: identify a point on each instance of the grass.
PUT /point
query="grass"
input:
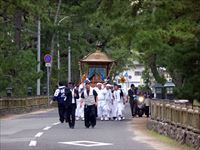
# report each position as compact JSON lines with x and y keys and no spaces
{"x":168,"y":140}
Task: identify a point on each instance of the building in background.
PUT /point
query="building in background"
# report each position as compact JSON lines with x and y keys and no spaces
{"x":132,"y":76}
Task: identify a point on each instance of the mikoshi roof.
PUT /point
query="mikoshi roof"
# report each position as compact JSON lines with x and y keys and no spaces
{"x":97,"y":56}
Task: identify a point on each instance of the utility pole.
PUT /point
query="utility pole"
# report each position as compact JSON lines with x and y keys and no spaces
{"x":38,"y":56}
{"x":69,"y":58}
{"x":58,"y":47}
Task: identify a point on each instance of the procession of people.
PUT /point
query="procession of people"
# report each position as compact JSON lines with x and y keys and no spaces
{"x":88,"y":103}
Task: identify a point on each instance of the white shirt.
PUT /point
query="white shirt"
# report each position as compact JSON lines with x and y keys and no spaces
{"x":73,"y":100}
{"x":89,"y":97}
{"x":100,"y":93}
{"x":147,"y":101}
{"x":116,"y":95}
{"x":107,"y":94}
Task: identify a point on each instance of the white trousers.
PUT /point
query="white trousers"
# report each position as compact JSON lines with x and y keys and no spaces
{"x":110,"y":109}
{"x":79,"y":109}
{"x":114,"y":109}
{"x":120,"y":109}
{"x":103,"y":108}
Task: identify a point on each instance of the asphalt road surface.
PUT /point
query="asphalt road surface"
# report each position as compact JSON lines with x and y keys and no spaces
{"x":42,"y":131}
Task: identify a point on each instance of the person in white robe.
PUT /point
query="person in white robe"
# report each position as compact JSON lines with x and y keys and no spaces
{"x":101,"y":101}
{"x":118,"y":103}
{"x":80,"y":108}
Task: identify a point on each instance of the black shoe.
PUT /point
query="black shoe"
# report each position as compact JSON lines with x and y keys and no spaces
{"x":61,"y":120}
{"x":72,"y":127}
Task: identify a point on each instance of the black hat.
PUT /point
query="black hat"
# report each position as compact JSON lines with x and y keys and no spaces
{"x":115,"y":84}
{"x":132,"y":85}
{"x":60,"y":83}
{"x":71,"y":83}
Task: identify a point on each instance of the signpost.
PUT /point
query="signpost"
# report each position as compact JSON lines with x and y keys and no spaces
{"x":48,"y":59}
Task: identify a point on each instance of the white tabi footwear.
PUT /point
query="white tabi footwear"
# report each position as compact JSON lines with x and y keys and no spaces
{"x":119,"y":118}
{"x":106,"y":118}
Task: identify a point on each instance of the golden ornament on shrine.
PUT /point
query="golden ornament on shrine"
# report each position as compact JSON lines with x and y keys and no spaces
{"x":122,"y":79}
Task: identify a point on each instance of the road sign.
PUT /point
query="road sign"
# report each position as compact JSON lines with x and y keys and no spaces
{"x":126,"y":74}
{"x":48,"y":64}
{"x":47,"y":49}
{"x":47,"y":58}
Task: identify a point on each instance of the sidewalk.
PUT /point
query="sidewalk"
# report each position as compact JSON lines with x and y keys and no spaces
{"x":13,"y":116}
{"x":142,"y":134}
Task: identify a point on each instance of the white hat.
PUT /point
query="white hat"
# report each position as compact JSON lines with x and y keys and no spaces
{"x":108,"y":85}
{"x":106,"y":80}
{"x":99,"y":83}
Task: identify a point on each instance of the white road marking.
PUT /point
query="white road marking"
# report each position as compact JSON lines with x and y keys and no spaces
{"x":33,"y":143}
{"x":47,"y":128}
{"x":39,"y":134}
{"x":54,"y":124}
{"x":86,"y":143}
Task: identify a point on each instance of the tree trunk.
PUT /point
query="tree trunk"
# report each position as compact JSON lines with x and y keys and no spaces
{"x":152,"y":64}
{"x":177,"y":78}
{"x":18,"y":25}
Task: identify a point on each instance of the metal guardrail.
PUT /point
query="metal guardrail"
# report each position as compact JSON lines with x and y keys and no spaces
{"x":181,"y":115}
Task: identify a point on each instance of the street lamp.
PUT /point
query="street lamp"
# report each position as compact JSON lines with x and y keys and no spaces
{"x":159,"y":90}
{"x":169,"y":87}
{"x":69,"y":51}
{"x":9,"y":91}
{"x":29,"y":91}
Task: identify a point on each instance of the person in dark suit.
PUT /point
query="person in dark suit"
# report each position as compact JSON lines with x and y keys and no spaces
{"x":72,"y":95}
{"x":132,"y":99}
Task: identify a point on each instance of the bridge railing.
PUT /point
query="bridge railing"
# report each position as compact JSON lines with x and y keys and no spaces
{"x":12,"y":105}
{"x":181,"y":115}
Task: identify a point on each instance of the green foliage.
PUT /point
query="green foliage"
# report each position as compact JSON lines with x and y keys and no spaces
{"x":165,"y":33}
{"x":158,"y":33}
{"x":18,"y":72}
{"x":18,"y":65}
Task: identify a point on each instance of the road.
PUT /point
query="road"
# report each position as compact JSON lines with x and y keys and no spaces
{"x":41,"y":130}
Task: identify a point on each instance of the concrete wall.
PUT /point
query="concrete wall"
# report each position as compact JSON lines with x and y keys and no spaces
{"x":22,"y":105}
